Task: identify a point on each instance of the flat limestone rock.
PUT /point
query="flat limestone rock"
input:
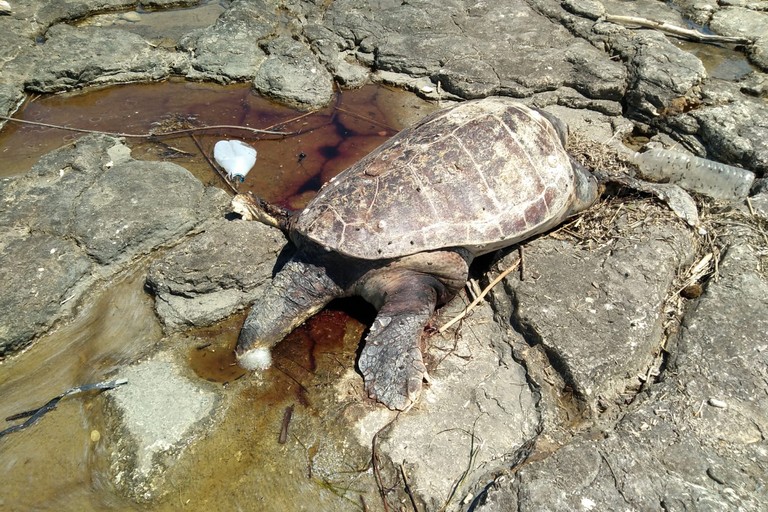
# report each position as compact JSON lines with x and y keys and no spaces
{"x":136,"y":203}
{"x":81,"y":214}
{"x":449,"y":43}
{"x":152,"y":419}
{"x":694,"y":441}
{"x":723,"y":354}
{"x":599,"y":314}
{"x":77,"y":57}
{"x":472,"y":419}
{"x":39,"y":273}
{"x":207,"y":277}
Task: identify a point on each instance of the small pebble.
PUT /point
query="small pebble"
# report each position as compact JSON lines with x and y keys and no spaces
{"x":714,"y":402}
{"x":95,"y":436}
{"x":131,"y":16}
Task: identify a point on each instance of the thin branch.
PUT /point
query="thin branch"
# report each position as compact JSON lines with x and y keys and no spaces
{"x":34,"y":415}
{"x":663,"y":26}
{"x":375,"y":463}
{"x":213,"y":166}
{"x":473,"y":451}
{"x":365,"y":118}
{"x":408,"y":488}
{"x":475,"y":302}
{"x":149,"y":135}
{"x":287,"y":415}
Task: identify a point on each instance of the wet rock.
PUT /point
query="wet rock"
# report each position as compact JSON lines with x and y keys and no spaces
{"x":40,"y":273}
{"x":78,"y":217}
{"x":75,"y":57}
{"x":217,"y":272}
{"x":293,"y":75}
{"x":229,"y":50}
{"x":152,"y":419}
{"x":660,"y":73}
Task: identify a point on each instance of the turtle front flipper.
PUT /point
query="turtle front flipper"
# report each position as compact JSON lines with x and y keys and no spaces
{"x":299,"y":290}
{"x":391,"y":361}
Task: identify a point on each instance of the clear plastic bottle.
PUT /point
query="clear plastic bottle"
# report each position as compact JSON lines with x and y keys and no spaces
{"x":714,"y":179}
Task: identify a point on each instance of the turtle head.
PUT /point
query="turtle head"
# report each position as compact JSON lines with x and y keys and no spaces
{"x":298,"y":290}
{"x":585,"y":188}
{"x":250,"y":207}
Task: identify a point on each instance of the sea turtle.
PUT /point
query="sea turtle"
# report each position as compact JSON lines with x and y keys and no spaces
{"x":401,"y":227}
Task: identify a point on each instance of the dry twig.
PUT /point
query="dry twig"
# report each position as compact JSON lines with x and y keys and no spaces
{"x":149,"y":135}
{"x":408,"y":488}
{"x":375,"y":463}
{"x":475,"y":302}
{"x":668,"y":28}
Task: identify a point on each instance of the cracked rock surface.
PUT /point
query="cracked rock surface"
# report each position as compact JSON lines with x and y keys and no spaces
{"x":695,"y":441}
{"x":618,"y":304}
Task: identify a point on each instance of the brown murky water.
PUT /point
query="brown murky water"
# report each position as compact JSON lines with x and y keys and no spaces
{"x":720,"y":61}
{"x":56,"y":464}
{"x":320,"y":144}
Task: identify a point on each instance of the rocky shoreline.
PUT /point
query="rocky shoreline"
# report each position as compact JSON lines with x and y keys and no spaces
{"x":589,"y":383}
